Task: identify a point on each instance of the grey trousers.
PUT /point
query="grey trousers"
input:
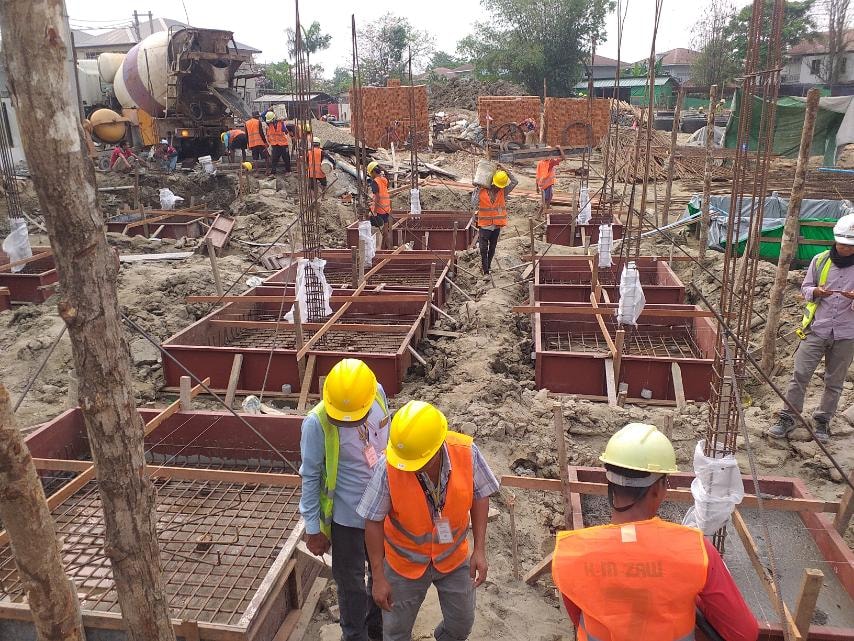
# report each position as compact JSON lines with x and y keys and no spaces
{"x":837,"y":355}
{"x":360,"y":616}
{"x":456,"y":598}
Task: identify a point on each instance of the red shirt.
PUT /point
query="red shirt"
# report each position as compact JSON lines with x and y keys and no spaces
{"x":720,"y":601}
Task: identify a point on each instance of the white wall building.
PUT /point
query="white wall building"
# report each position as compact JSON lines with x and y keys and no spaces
{"x":807,"y":61}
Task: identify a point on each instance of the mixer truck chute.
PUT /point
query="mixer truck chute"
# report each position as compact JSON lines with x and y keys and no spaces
{"x":182,"y":82}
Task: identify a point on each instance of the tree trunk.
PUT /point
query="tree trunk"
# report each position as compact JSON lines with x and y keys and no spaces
{"x":791,"y":232}
{"x":705,"y":217}
{"x":35,"y":38}
{"x":32,"y":535}
{"x":668,"y":190}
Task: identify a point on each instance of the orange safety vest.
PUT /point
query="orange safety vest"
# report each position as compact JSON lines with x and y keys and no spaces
{"x":411,"y":542}
{"x":315,"y":157}
{"x":632,"y":581}
{"x":382,"y":199}
{"x":253,"y":132}
{"x":489,"y":212}
{"x":277,"y":134}
{"x":235,"y":132}
{"x":545,"y":174}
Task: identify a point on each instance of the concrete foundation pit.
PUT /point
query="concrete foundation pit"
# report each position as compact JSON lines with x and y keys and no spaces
{"x":559,"y":228}
{"x":163,"y":223}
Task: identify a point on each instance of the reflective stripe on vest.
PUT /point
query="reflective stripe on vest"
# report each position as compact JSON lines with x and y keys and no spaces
{"x":382,"y":200}
{"x":633,"y":581}
{"x":822,"y":266}
{"x":545,"y":174}
{"x":331,"y":445}
{"x":277,"y":134}
{"x":253,"y":132}
{"x":411,"y":541}
{"x":314,"y":158}
{"x":584,"y":635}
{"x":491,"y":212}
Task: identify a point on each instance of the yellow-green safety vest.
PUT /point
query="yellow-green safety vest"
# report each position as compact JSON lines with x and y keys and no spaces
{"x":822,"y":266}
{"x":330,"y":476}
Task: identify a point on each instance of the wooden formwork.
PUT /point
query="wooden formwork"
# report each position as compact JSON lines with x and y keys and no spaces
{"x":229,"y":525}
{"x":35,"y":283}
{"x":5,"y":299}
{"x":432,"y":230}
{"x":561,"y":228}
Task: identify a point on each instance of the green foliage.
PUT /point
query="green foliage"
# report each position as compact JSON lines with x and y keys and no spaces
{"x":641,"y":69}
{"x":527,"y":41}
{"x":278,"y":74}
{"x":445,"y":59}
{"x":385,"y":46}
{"x":313,"y":39}
{"x":715,"y":65}
{"x":798,"y":24}
{"x":342,"y":80}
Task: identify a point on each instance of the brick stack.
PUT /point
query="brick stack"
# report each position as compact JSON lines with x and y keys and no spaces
{"x":383,"y":106}
{"x":504,"y":109}
{"x":561,"y":112}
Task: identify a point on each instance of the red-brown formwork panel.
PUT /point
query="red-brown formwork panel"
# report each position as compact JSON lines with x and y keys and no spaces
{"x":564,"y":279}
{"x":228,"y":525}
{"x":406,"y":271}
{"x":174,"y":227}
{"x":571,"y":351}
{"x":5,"y":299}
{"x":36,"y":282}
{"x":803,"y":540}
{"x":435,"y":227}
{"x":559,"y":228}
{"x":378,"y":333}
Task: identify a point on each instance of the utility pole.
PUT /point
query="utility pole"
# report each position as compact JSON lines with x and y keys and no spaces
{"x":64,"y":180}
{"x":51,"y":596}
{"x":136,"y":25}
{"x":150,"y":23}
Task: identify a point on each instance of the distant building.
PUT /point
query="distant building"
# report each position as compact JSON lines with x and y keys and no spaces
{"x":806,"y":61}
{"x":635,"y":90}
{"x":319,"y":103}
{"x":605,"y":68}
{"x":463,"y":71}
{"x":675,"y":63}
{"x":10,"y":120}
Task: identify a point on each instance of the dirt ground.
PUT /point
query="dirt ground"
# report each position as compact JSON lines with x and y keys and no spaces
{"x":483,"y":380}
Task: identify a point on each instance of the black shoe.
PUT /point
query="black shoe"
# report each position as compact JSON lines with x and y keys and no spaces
{"x":784,"y":426}
{"x":822,"y":431}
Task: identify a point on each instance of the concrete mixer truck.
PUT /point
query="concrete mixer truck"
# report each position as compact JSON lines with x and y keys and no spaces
{"x":181,"y":85}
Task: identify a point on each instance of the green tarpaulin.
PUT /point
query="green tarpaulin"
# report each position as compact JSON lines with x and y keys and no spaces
{"x":805,"y":253}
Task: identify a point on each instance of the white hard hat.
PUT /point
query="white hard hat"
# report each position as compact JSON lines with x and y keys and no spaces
{"x":163,"y":141}
{"x":843,"y":230}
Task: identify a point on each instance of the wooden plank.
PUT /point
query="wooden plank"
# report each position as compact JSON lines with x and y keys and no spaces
{"x":140,"y":258}
{"x":619,"y":342}
{"x":366,"y":297}
{"x":673,"y":494}
{"x":236,"y":365}
{"x":443,"y":333}
{"x":539,"y":570}
{"x":563,"y":465}
{"x":306,"y":613}
{"x":416,"y":355}
{"x":342,"y":327}
{"x":173,"y":408}
{"x":609,"y":311}
{"x":678,"y":387}
{"x":612,"y":348}
{"x":807,"y":598}
{"x":764,"y":575}
{"x":611,"y":382}
{"x":846,"y":508}
{"x":306,"y":382}
{"x":186,"y":399}
{"x":5,"y":267}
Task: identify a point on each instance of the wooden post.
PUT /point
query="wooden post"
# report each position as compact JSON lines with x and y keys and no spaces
{"x":705,"y":216}
{"x":299,"y":341}
{"x":807,"y":598}
{"x":65,"y":184}
{"x":560,"y":439}
{"x":354,"y":260}
{"x":619,"y":341}
{"x":454,"y":237}
{"x":214,"y":267}
{"x":846,"y":509}
{"x":533,"y":243}
{"x":186,"y":397}
{"x":361,"y":262}
{"x":514,"y":536}
{"x":669,"y":418}
{"x":25,"y":514}
{"x":668,"y":190}
{"x":230,"y":391}
{"x":791,"y":232}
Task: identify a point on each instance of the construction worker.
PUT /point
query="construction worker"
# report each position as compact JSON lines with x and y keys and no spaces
{"x":166,"y":155}
{"x":314,"y":158}
{"x":491,"y":207}
{"x":342,"y":440}
{"x":641,"y":577}
{"x":826,"y":331}
{"x":381,"y":203}
{"x":417,"y":508}
{"x":235,"y":139}
{"x":546,"y":178}
{"x":277,"y":134}
{"x":257,"y":139}
{"x":123,"y":158}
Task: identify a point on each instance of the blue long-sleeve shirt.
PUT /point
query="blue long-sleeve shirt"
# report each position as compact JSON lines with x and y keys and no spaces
{"x":354,"y":473}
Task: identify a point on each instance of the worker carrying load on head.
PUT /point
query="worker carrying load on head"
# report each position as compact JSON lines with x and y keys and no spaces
{"x":641,"y":577}
{"x":826,"y":331}
{"x":343,"y":438}
{"x":314,"y":162}
{"x":235,"y":139}
{"x":277,"y":135}
{"x":491,"y":207}
{"x":257,"y":139}
{"x":381,"y":201}
{"x":429,"y":486}
{"x":546,"y":178}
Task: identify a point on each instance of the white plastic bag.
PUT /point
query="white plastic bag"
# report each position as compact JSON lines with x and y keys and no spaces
{"x":168,"y":199}
{"x":316,"y":265}
{"x":414,"y":202}
{"x":606,"y":241}
{"x":717,"y":488}
{"x":632,"y":298}
{"x":585,"y":207}
{"x":367,"y":238}
{"x":17,"y":244}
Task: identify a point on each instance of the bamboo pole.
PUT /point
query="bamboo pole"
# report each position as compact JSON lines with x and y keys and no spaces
{"x":677,"y":117}
{"x":705,"y":216}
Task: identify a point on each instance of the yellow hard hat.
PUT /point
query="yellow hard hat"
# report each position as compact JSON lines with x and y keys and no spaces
{"x":640,"y":447}
{"x":501,"y":179}
{"x":349,"y":390}
{"x":270,"y":117}
{"x":372,"y":166}
{"x":247,"y":166}
{"x":417,"y":432}
{"x":222,"y":137}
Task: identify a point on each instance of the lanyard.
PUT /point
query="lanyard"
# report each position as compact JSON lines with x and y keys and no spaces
{"x":435,"y":496}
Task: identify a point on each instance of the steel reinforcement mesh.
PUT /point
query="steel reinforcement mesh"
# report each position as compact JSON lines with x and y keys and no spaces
{"x":581,"y":275}
{"x":218,"y":541}
{"x":650,"y":341}
{"x":331,"y":341}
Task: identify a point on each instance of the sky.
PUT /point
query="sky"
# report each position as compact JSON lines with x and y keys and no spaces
{"x":448,"y":20}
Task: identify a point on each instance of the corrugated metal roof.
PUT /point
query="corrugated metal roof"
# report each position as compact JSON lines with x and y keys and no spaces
{"x":284,"y":97}
{"x":626,"y":82}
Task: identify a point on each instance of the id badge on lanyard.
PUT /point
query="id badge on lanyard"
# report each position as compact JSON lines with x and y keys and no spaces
{"x":368,"y":450}
{"x":442,"y":526}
